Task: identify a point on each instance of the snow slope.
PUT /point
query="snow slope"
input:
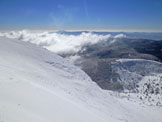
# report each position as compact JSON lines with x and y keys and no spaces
{"x":25,"y":76}
{"x":39,"y":86}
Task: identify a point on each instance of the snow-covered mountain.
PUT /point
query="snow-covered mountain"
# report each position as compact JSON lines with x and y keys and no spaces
{"x":38,"y":86}
{"x":143,"y":77}
{"x":35,"y":83}
{"x":131,"y":71}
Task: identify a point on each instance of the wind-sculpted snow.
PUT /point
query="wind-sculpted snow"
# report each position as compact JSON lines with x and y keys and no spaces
{"x":39,"y":86}
{"x":60,"y":42}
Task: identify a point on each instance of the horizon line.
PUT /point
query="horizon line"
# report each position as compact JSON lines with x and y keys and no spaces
{"x":89,"y":30}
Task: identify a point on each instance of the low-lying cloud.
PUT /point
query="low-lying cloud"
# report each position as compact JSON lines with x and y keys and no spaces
{"x":60,"y":42}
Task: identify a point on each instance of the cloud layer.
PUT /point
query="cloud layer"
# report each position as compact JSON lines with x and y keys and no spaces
{"x":60,"y":42}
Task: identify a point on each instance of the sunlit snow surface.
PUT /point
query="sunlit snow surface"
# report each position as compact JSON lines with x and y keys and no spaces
{"x":37,"y":86}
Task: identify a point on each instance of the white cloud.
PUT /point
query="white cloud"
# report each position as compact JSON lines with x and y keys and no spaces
{"x":58,"y":42}
{"x":120,"y":36}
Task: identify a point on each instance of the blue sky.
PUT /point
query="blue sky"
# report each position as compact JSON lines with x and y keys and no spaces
{"x":81,"y":14}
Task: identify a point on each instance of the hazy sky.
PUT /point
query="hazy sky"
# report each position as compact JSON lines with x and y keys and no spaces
{"x":81,"y":14}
